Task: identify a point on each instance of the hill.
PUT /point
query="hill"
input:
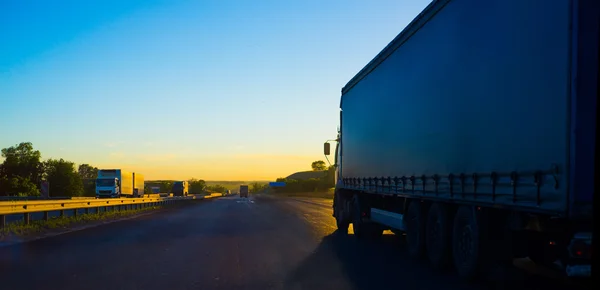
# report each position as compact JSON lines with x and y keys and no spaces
{"x":304,"y":175}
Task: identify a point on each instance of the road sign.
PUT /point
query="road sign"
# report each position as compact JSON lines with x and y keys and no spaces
{"x":276,"y":184}
{"x":45,"y":189}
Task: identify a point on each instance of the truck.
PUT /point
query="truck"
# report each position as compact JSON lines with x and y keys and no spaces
{"x":474,"y":136}
{"x":180,"y":188}
{"x":244,"y":190}
{"x":155,"y":189}
{"x":116,"y":183}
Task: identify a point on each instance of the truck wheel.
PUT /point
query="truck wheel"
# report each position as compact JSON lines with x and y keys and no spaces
{"x":437,"y":237}
{"x":466,"y":244}
{"x":415,"y":229}
{"x":543,"y":254}
{"x":363,"y":229}
{"x":342,"y":226}
{"x":341,"y":214}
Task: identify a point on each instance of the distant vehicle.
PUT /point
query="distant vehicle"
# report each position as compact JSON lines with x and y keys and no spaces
{"x":155,"y":189}
{"x":227,"y":192}
{"x":115,"y":183}
{"x":477,"y":140}
{"x":244,"y":190}
{"x":180,"y":188}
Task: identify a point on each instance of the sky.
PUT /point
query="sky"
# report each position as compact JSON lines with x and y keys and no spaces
{"x":211,"y":89}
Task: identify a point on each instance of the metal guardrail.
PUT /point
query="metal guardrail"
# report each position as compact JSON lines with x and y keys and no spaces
{"x":27,"y":207}
{"x":12,"y":198}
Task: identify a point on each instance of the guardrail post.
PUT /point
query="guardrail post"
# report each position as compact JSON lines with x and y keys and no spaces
{"x":26,"y":218}
{"x":75,"y":212}
{"x":2,"y":221}
{"x":45,"y":215}
{"x":87,"y":210}
{"x":62,"y":213}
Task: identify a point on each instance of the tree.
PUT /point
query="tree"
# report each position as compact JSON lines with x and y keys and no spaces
{"x":319,"y":165}
{"x":196,"y":186}
{"x":257,"y":187}
{"x":217,"y":188}
{"x":21,"y":170}
{"x":21,"y":160}
{"x":63,"y":179}
{"x":18,"y":185}
{"x":87,"y":171}
{"x":166,"y":186}
{"x":88,"y":175}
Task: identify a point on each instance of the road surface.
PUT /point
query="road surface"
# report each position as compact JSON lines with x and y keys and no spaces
{"x":226,"y":243}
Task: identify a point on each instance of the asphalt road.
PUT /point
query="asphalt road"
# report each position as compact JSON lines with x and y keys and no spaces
{"x":228,"y":243}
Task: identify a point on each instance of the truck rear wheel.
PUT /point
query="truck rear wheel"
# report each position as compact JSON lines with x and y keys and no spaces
{"x":342,"y":226}
{"x":542,"y":252}
{"x":415,"y":229}
{"x":437,"y":237}
{"x":363,"y":229}
{"x":341,"y":213}
{"x":466,"y":242}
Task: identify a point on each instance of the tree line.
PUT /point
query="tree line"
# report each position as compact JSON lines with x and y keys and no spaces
{"x":22,"y":172}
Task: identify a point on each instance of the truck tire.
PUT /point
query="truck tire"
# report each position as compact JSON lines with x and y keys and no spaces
{"x":437,"y":236}
{"x":341,"y":215}
{"x":363,"y":229}
{"x":466,"y":242}
{"x":543,"y":254}
{"x":342,"y":226}
{"x":415,"y":229}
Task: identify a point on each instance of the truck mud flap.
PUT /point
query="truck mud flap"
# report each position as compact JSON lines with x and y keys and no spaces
{"x":390,"y":219}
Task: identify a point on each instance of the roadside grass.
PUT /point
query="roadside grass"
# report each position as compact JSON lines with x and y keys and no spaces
{"x":21,"y":229}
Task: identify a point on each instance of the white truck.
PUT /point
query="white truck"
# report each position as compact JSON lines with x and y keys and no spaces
{"x":115,"y":183}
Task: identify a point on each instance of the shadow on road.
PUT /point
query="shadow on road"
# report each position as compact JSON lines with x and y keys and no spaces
{"x":383,"y":264}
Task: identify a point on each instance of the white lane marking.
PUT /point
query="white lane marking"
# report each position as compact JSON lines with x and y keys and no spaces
{"x":244,"y":200}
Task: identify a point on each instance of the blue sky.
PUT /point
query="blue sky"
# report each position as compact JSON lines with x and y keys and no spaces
{"x":219,"y":90}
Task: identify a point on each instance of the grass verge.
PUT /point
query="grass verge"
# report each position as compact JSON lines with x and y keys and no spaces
{"x":21,"y":230}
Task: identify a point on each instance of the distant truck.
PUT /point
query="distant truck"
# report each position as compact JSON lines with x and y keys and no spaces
{"x":244,"y":190}
{"x":476,"y":138}
{"x":155,"y":189}
{"x":180,"y":188}
{"x":115,"y":183}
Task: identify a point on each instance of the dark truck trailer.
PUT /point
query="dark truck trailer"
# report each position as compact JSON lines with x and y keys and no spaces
{"x":244,"y":190}
{"x":180,"y":188}
{"x":475,"y":127}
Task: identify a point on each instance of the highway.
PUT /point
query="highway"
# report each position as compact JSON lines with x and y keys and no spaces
{"x":228,"y":243}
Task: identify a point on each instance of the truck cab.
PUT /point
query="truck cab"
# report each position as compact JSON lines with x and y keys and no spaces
{"x":108,"y":187}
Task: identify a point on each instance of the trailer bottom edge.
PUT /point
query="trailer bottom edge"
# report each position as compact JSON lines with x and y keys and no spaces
{"x":544,"y":239}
